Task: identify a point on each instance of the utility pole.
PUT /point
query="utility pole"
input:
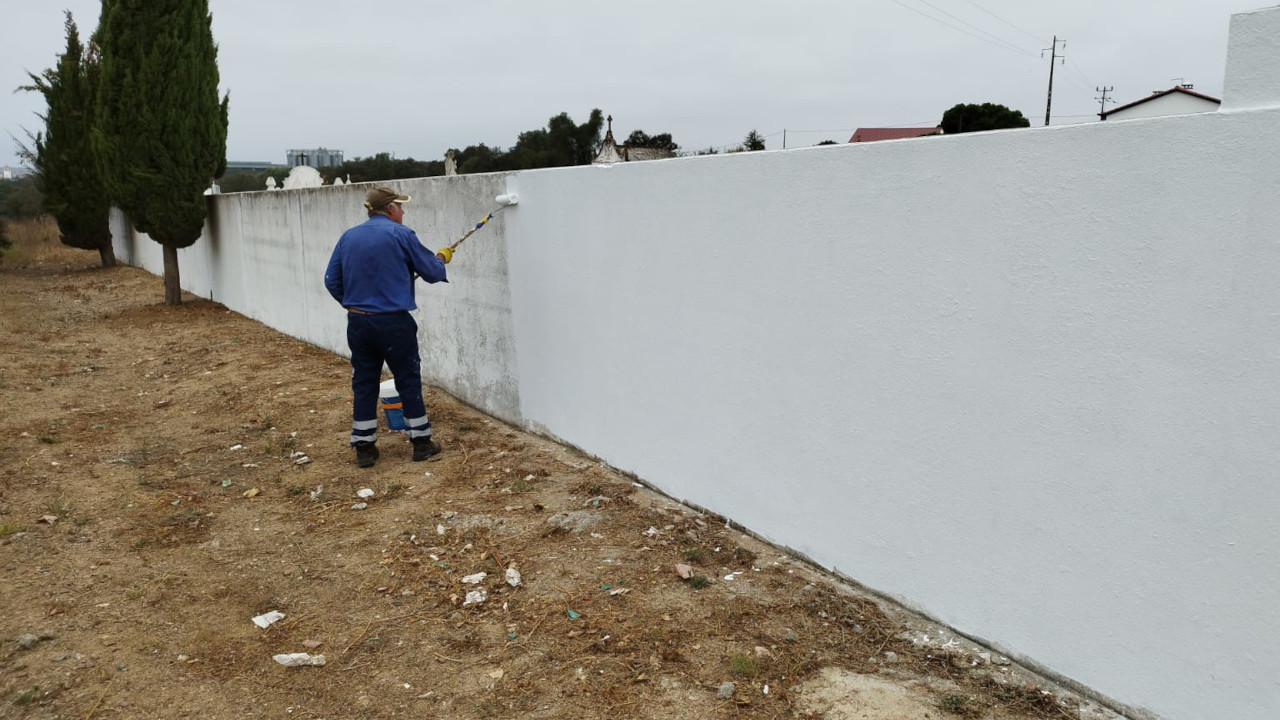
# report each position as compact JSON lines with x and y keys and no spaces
{"x":1104,"y":99}
{"x":1053,"y":57}
{"x":784,"y":138}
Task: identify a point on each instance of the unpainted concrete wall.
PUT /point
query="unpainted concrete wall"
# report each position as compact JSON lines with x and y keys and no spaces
{"x":1030,"y":392}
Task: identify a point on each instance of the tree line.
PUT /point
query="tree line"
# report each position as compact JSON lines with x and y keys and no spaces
{"x":562,"y":142}
{"x":134,"y":120}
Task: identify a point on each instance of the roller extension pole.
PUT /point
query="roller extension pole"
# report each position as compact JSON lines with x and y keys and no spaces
{"x":504,"y":202}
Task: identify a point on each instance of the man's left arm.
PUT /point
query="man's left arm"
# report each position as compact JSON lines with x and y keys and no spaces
{"x":333,"y":275}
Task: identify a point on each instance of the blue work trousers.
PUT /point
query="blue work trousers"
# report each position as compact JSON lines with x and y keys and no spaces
{"x":391,"y":338}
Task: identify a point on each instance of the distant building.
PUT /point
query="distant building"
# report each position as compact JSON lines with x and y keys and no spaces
{"x":891,"y":133}
{"x":7,"y":174}
{"x":317,"y":158}
{"x":1177,"y":100}
{"x":611,"y":152}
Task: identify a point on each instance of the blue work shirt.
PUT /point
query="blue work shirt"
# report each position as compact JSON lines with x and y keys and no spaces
{"x":373,"y":265}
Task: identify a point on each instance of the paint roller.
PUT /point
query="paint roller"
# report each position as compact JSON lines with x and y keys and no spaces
{"x":504,"y":202}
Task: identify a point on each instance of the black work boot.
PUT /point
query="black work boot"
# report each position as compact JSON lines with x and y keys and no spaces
{"x":424,"y":449}
{"x":366,"y":454}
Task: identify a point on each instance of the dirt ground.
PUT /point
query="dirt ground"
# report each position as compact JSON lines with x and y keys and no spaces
{"x":168,"y":474}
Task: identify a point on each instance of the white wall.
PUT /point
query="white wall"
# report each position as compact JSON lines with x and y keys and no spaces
{"x":1031,"y":394}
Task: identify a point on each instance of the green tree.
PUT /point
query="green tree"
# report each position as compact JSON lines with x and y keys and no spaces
{"x":20,"y":199}
{"x":67,"y":176}
{"x":663,"y":141}
{"x":964,"y":118}
{"x":250,"y":181}
{"x":161,"y":131}
{"x":383,"y":167}
{"x":753,"y":141}
{"x":828,"y":142}
{"x":479,"y":159}
{"x":560,"y":143}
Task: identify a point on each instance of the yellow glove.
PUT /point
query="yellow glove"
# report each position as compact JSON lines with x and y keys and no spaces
{"x":445,"y":255}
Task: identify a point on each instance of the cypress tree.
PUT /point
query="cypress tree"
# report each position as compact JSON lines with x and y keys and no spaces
{"x":68,"y":177}
{"x":161,"y":133}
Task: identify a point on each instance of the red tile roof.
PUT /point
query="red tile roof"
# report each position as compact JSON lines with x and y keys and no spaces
{"x":874,"y":134}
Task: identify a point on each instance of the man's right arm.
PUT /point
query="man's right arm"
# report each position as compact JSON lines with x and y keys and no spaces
{"x":428,"y":266}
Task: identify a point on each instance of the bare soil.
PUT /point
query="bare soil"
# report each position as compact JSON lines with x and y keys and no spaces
{"x":169,"y":473}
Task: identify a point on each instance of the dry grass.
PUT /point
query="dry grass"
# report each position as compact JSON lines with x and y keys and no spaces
{"x":35,"y":240}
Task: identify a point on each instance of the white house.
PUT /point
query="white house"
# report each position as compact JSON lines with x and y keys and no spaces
{"x":1177,"y":100}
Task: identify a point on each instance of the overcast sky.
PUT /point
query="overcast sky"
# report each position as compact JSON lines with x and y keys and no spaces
{"x":418,"y":78}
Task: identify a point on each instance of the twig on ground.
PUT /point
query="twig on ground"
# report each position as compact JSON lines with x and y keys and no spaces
{"x":101,"y":697}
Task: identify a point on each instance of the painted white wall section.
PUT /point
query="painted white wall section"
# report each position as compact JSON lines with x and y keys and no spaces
{"x":1032,"y":395}
{"x":1175,"y":103}
{"x":1253,"y":75}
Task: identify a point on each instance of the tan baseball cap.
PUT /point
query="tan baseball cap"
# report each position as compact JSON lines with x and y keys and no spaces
{"x":381,"y":197}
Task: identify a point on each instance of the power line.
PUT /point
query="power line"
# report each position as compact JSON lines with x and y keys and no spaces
{"x":1006,"y":22}
{"x":1075,"y":67}
{"x":1076,"y":82}
{"x":957,"y":29}
{"x":975,"y":27}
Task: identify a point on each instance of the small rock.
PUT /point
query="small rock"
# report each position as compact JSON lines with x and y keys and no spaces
{"x":575,"y":521}
{"x":60,"y":658}
{"x":513,"y":577}
{"x":891,"y":657}
{"x":474,"y":579}
{"x":791,"y":635}
{"x":311,"y":644}
{"x":365,"y":493}
{"x":475,"y":597}
{"x":984,"y":657}
{"x":28,"y":641}
{"x":360,"y":506}
{"x":684,"y":571}
{"x":726,"y":690}
{"x":999,"y":660}
{"x":302,"y":460}
{"x":252,"y":492}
